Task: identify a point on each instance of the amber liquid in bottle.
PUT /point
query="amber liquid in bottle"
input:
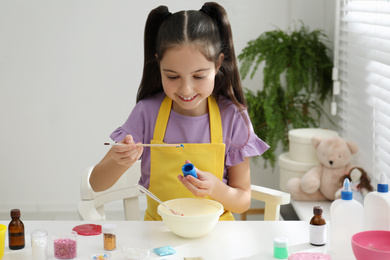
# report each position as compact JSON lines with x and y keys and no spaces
{"x":16,"y":231}
{"x":317,"y":228}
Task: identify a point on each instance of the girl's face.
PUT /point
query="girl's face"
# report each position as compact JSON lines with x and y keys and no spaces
{"x":188,"y":79}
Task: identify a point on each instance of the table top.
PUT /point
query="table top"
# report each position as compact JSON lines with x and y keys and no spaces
{"x":228,"y":240}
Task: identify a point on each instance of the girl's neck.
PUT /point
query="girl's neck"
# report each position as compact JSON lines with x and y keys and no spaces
{"x":200,"y":110}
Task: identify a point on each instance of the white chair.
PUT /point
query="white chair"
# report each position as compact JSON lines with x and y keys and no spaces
{"x":91,"y":207}
{"x":92,"y":203}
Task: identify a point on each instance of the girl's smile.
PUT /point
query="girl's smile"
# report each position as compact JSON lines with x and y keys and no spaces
{"x":188,"y":79}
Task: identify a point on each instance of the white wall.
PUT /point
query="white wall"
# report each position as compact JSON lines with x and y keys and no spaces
{"x":69,"y":72}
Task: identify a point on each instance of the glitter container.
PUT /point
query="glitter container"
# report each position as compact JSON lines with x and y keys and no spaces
{"x":65,"y":245}
{"x":109,"y":236}
{"x":39,"y":244}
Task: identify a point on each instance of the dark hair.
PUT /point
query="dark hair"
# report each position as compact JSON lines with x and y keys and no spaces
{"x":209,"y":29}
{"x":365,"y":180}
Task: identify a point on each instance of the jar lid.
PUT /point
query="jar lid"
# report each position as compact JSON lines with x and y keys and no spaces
{"x":15,"y":213}
{"x":280,"y":242}
{"x":109,"y":228}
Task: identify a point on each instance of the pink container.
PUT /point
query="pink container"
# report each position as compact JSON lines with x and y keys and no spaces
{"x":373,"y":244}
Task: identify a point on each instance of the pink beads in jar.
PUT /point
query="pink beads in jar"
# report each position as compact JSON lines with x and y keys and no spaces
{"x":65,"y":245}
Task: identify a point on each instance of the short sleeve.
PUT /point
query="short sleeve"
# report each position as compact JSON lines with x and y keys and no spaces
{"x":141,"y":121}
{"x":134,"y":125}
{"x":241,"y":140}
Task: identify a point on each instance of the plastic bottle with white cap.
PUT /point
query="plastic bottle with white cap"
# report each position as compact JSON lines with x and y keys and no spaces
{"x":377,"y":207}
{"x":346,"y":219}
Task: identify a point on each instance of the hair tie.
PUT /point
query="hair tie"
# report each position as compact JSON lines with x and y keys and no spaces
{"x":205,"y":10}
{"x":166,"y":14}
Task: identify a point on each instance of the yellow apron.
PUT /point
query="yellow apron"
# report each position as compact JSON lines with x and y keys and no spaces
{"x":166,"y":162}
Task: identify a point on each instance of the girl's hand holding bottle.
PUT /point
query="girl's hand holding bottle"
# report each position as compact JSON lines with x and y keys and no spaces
{"x":126,"y":154}
{"x":202,"y":186}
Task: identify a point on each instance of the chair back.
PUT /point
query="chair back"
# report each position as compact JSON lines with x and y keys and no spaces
{"x":91,"y":207}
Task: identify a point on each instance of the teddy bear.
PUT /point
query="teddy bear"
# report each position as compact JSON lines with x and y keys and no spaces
{"x":321,"y":182}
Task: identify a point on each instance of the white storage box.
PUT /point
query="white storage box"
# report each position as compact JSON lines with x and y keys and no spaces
{"x":290,"y":169}
{"x":301,"y":148}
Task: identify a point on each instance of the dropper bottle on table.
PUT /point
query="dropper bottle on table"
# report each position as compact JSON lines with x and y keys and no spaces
{"x":346,"y":219}
{"x":377,"y":207}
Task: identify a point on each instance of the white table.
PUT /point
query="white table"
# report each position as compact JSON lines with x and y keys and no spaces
{"x":228,"y":240}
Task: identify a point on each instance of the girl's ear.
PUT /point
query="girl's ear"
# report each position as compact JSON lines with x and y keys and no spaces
{"x":219,"y":62}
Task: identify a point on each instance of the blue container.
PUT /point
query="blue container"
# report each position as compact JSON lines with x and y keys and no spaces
{"x":189,"y":169}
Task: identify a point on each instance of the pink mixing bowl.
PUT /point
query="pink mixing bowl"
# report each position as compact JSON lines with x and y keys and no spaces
{"x":374,"y":244}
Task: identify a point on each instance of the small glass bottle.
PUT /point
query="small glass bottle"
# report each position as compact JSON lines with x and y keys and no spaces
{"x":317,"y":227}
{"x":15,"y":231}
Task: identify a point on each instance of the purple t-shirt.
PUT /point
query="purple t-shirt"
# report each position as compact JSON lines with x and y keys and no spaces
{"x":238,"y":135}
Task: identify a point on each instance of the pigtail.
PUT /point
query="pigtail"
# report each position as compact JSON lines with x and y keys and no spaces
{"x":228,"y":81}
{"x":151,"y":76}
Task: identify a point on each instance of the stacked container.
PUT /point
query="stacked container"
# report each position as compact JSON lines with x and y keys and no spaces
{"x":302,"y":155}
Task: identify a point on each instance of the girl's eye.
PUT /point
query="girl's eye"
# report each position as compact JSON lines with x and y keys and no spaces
{"x":199,"y":77}
{"x":172,"y":77}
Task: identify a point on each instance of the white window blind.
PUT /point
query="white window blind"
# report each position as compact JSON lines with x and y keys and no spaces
{"x":362,"y":59}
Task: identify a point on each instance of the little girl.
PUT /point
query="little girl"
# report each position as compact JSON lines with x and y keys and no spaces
{"x":190,"y":94}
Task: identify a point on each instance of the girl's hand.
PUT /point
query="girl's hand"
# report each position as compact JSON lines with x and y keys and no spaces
{"x":202,"y":186}
{"x":126,"y":154}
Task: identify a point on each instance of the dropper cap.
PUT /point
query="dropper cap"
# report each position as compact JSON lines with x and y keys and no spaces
{"x":383,"y":187}
{"x":346,"y":193}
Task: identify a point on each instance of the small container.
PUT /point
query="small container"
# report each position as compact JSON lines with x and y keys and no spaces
{"x":317,"y":227}
{"x":377,"y":207}
{"x":3,"y":231}
{"x":65,"y":245}
{"x":281,"y":248}
{"x":346,"y":219}
{"x":189,"y":169}
{"x":136,"y":251}
{"x":109,"y":236}
{"x":39,"y":244}
{"x":16,"y":231}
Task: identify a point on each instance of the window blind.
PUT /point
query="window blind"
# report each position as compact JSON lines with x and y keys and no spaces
{"x":362,"y":63}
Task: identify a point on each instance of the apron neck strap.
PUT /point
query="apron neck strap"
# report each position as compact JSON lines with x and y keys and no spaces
{"x":214,"y":116}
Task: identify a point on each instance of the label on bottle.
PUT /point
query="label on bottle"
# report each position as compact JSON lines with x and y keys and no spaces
{"x":318,"y":235}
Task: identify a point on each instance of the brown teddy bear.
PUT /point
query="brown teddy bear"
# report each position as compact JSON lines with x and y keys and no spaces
{"x":322,"y":181}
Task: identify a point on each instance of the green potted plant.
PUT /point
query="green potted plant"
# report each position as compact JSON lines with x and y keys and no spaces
{"x":297,"y":80}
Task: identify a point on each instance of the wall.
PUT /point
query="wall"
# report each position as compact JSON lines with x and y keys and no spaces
{"x":69,"y":72}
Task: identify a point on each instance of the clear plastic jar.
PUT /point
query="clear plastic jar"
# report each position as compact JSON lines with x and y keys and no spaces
{"x":39,"y":244}
{"x":109,"y":236}
{"x":65,"y":245}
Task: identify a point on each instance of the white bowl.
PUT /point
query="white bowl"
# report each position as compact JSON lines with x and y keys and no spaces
{"x":199,"y":216}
